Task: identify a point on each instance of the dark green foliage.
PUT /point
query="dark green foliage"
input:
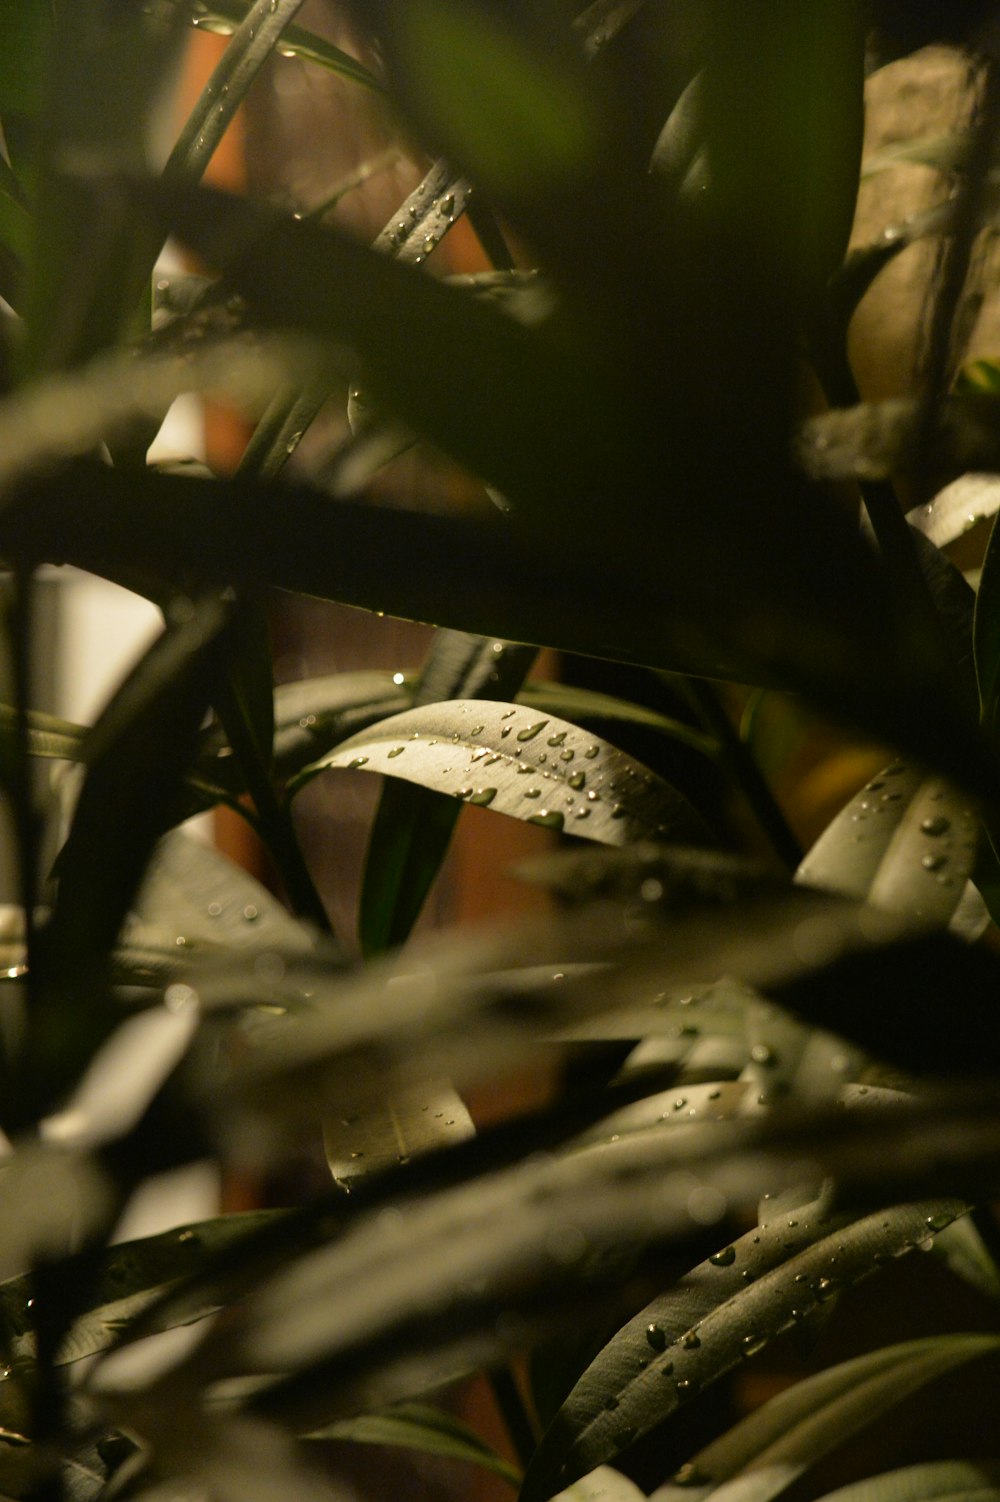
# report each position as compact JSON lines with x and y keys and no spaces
{"x":762,"y":1088}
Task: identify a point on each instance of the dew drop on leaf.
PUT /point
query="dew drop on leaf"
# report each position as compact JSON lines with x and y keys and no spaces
{"x":657,"y":1337}
{"x":530,"y":731}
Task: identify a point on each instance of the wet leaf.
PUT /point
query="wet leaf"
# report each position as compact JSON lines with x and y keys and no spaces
{"x":222,"y":16}
{"x":957,"y":508}
{"x":543,"y":770}
{"x":765,"y":1453}
{"x":428,"y":1116}
{"x":131,"y":1276}
{"x":195,"y":895}
{"x":905,"y":842}
{"x":713,"y":1318}
{"x":413,"y":827}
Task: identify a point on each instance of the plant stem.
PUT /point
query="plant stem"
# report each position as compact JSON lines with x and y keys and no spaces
{"x":744,"y":771}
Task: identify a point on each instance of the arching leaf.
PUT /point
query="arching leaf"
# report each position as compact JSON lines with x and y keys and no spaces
{"x":543,"y":770}
{"x":760,"y":1457}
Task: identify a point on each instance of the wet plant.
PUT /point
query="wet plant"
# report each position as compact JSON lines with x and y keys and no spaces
{"x":773,"y":1050}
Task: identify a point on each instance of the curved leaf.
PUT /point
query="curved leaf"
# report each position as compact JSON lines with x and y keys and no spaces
{"x":935,"y":1481}
{"x":412,"y":830}
{"x":905,"y":842}
{"x":760,"y":1457}
{"x":418,"y":1426}
{"x":545,"y":771}
{"x":223,"y":16}
{"x":727,"y":1309}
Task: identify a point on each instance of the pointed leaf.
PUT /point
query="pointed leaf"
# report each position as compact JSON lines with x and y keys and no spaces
{"x":131,"y":1276}
{"x":935,"y":1481}
{"x":760,"y":1457}
{"x":193,"y":893}
{"x":545,"y":771}
{"x":412,"y":830}
{"x":137,"y":755}
{"x":711,"y":1320}
{"x":222,"y":16}
{"x":418,"y":1426}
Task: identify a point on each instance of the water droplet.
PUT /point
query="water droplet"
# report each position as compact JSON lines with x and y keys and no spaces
{"x":530,"y":731}
{"x":591,"y":752}
{"x":684,"y":1387}
{"x":293,"y":443}
{"x":359,"y":761}
{"x":577,"y":780}
{"x":691,"y":1341}
{"x":752,"y":1344}
{"x":582,"y":813}
{"x":825,"y":1288}
{"x":251,"y":913}
{"x":935,"y":825}
{"x":505,"y":731}
{"x":215,"y":909}
{"x":933,"y":862}
{"x":532,"y":792}
{"x":656,"y":1336}
{"x":396,"y":751}
{"x":484,"y":797}
{"x":725,"y":1258}
{"x":761,"y":1053}
{"x":940,"y":1221}
{"x":476,"y":730}
{"x":557,"y":740}
{"x":429,"y":243}
{"x":553,"y":820}
{"x":618,"y":811}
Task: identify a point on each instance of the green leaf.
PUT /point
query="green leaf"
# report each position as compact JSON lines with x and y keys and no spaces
{"x":222,"y":16}
{"x":418,"y":1426}
{"x":784,"y":138}
{"x":25,"y":37}
{"x":935,"y":1481}
{"x":766,"y":1452}
{"x":425,"y":1117}
{"x":509,"y":111}
{"x":545,"y":771}
{"x":137,"y":755}
{"x":713,"y":1318}
{"x":111,"y":71}
{"x":905,"y":842}
{"x":255,"y":39}
{"x":412,"y":829}
{"x":131,"y":1276}
{"x":421,"y":343}
{"x":193,"y":894}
